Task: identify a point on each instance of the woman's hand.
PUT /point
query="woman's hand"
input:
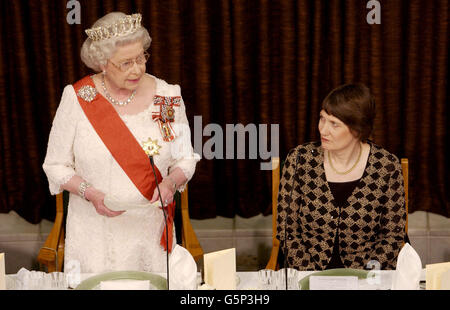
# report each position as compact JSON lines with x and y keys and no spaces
{"x":96,"y":197}
{"x":167,"y":192}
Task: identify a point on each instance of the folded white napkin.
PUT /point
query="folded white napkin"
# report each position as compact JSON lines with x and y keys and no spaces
{"x":31,"y":280}
{"x":408,"y":270}
{"x":24,"y":277}
{"x":183,"y":270}
{"x":125,"y":285}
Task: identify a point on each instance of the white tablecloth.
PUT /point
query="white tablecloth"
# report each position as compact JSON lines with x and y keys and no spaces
{"x":250,"y":280}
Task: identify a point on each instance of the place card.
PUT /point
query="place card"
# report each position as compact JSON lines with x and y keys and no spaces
{"x":2,"y":272}
{"x":125,"y":284}
{"x":445,"y":280}
{"x":434,"y":273}
{"x":220,"y":269}
{"x":333,"y":283}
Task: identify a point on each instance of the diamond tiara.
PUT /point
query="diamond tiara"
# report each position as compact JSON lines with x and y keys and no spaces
{"x":128,"y":24}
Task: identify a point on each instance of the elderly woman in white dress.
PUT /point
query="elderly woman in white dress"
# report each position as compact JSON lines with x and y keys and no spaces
{"x":105,"y":128}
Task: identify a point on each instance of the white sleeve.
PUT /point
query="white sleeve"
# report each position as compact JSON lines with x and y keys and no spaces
{"x":182,"y":151}
{"x":59,"y":161}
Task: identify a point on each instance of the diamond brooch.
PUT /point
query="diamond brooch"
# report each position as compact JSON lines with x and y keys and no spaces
{"x":87,"y":93}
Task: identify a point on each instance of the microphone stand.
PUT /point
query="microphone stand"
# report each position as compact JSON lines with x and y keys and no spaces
{"x":285,"y":239}
{"x":165,"y":218}
{"x":285,"y":254}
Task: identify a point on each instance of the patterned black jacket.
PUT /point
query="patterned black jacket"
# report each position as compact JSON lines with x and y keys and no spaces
{"x":371,"y":225}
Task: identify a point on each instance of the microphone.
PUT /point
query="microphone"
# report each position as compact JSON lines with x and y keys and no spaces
{"x":285,"y":235}
{"x":165,"y":217}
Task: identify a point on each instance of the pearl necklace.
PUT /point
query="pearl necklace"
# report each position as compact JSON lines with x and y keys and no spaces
{"x":114,"y":101}
{"x":354,"y":165}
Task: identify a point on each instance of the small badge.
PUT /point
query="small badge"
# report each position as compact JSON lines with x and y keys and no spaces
{"x":151,"y":147}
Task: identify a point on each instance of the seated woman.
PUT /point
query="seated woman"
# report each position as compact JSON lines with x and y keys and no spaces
{"x":341,"y":200}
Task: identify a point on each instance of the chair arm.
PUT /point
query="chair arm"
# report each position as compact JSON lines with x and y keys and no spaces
{"x":48,"y":254}
{"x":273,"y":261}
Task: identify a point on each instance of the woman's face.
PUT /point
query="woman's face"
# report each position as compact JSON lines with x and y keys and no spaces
{"x":126,"y":56}
{"x":334,"y":134}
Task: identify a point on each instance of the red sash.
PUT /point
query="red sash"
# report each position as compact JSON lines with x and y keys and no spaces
{"x":122,"y":145}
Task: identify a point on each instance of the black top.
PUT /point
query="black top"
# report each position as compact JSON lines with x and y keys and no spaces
{"x":341,"y":192}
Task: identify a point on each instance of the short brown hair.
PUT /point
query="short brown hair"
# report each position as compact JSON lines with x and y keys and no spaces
{"x":354,"y":105}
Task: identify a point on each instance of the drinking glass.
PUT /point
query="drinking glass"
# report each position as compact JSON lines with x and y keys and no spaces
{"x":58,"y":281}
{"x":266,"y":278}
{"x":293,"y":278}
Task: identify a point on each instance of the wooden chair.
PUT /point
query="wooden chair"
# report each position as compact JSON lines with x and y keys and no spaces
{"x":405,"y":167}
{"x":51,"y":255}
{"x":276,"y":167}
{"x":273,"y":260}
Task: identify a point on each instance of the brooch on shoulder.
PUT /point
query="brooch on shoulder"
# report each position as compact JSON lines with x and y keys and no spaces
{"x":87,"y":93}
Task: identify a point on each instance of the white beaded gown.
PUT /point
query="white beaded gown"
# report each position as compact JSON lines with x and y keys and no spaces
{"x":131,"y":241}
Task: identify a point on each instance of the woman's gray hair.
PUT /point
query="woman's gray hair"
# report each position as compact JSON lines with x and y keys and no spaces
{"x":95,"y":54}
